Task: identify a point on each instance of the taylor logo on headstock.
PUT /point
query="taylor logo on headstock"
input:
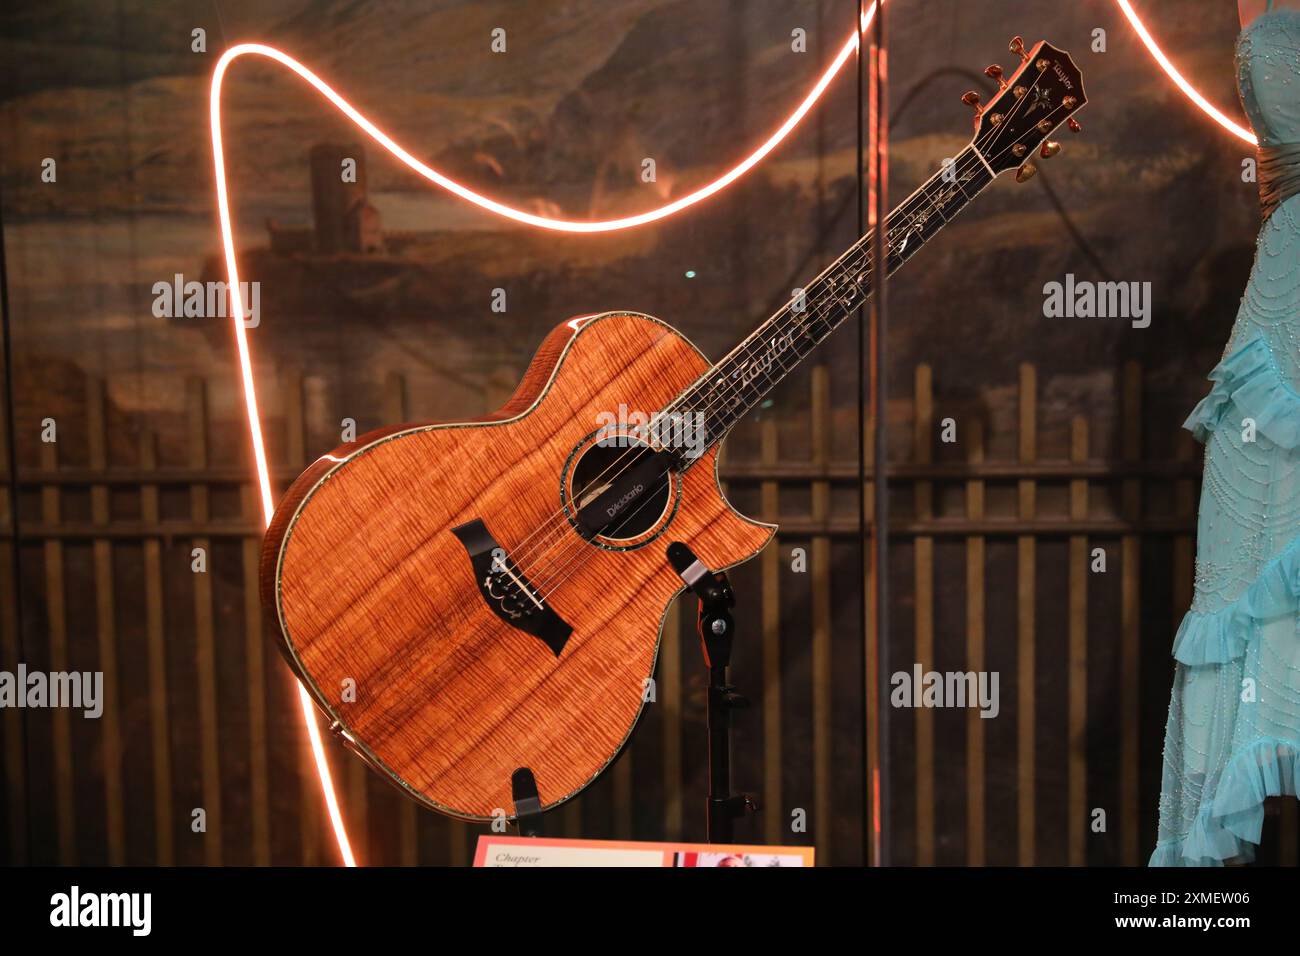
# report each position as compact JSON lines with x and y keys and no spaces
{"x":1045,"y":91}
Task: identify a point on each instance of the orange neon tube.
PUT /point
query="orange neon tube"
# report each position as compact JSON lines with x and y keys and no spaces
{"x":1180,"y":81}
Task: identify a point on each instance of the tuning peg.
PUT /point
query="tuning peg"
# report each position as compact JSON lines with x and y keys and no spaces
{"x":994,"y":72}
{"x":1017,"y":46}
{"x":1026,"y":172}
{"x":1049,"y":149}
{"x":972,"y":99}
{"x":1073,"y":124}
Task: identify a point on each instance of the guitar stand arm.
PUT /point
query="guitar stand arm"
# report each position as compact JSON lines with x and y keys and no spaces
{"x":716,"y":627}
{"x":528,"y":805}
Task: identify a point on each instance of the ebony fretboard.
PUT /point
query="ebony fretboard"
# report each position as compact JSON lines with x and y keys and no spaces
{"x":737,"y":383}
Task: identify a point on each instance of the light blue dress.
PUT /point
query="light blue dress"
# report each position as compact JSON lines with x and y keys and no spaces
{"x":1233,"y":736}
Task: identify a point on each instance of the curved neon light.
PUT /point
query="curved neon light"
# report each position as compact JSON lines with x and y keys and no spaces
{"x":491,"y":205}
{"x":1179,"y":80}
{"x":521,"y":215}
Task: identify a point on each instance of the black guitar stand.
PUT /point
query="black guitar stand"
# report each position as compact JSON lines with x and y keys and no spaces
{"x":716,"y":627}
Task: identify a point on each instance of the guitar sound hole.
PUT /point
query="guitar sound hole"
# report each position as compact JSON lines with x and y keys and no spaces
{"x":599,"y":465}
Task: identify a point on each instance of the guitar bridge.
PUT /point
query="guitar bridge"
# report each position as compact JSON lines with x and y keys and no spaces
{"x":506,"y":590}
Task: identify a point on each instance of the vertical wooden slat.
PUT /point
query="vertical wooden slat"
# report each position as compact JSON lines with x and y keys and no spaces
{"x":55,"y":599}
{"x":1077,"y":783}
{"x":670,"y":699}
{"x":159,"y":720}
{"x":255,"y":673}
{"x":975,"y":802}
{"x":205,"y":652}
{"x":821,"y":621}
{"x":395,"y":411}
{"x":923,"y":553}
{"x":310,"y":816}
{"x":408,"y":833}
{"x":106,"y":628}
{"x":1130,"y":622}
{"x":770,"y":567}
{"x":458,"y":835}
{"x":623,"y":796}
{"x":1026,"y":556}
{"x":356,"y":775}
{"x":571,"y":819}
{"x":10,"y":655}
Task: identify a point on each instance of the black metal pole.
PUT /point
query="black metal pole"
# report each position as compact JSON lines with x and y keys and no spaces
{"x":721,"y":820}
{"x":875,"y":331}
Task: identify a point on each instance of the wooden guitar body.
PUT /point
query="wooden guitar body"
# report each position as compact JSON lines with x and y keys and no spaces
{"x":367,"y":569}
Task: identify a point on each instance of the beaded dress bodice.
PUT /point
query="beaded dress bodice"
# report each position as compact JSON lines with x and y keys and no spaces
{"x":1268,"y":82}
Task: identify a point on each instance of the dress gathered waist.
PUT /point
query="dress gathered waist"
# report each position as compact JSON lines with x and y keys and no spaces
{"x":1279,"y":175}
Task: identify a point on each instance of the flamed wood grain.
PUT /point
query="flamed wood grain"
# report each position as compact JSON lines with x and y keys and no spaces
{"x":368,"y":582}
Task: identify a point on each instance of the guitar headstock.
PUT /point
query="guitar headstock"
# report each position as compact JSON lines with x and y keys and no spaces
{"x":1045,"y":91}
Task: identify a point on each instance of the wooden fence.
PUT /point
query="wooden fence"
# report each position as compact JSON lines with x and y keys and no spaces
{"x":990,"y":572}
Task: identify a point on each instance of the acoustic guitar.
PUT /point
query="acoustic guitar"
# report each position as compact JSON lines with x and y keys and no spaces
{"x":467,"y":599}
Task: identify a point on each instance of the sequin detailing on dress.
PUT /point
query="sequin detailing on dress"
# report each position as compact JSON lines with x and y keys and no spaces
{"x":1233,"y":735}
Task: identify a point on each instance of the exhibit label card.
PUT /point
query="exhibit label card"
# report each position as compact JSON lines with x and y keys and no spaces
{"x":513,"y":851}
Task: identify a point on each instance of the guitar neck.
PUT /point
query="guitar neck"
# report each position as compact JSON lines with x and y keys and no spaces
{"x":737,"y":383}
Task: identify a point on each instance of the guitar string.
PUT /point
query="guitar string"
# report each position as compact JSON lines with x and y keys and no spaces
{"x":567,"y":558}
{"x":784,"y":321}
{"x":550,"y":579}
